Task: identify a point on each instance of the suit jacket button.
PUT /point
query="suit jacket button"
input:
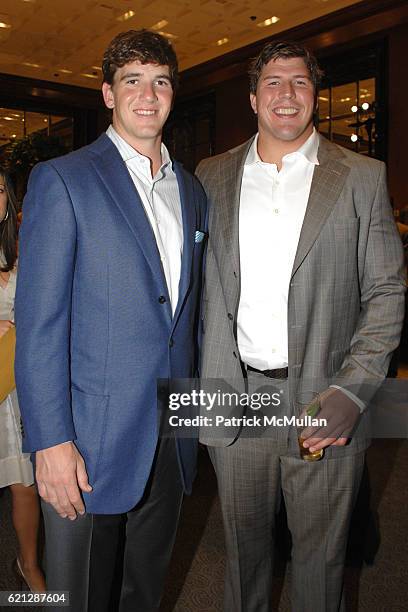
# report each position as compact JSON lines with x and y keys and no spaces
{"x":162,"y":299}
{"x":230,"y":316}
{"x":171,"y":342}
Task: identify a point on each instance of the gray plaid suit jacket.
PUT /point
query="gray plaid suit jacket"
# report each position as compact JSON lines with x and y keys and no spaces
{"x":346,"y":295}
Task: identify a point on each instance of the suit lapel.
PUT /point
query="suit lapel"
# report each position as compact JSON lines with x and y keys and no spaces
{"x":230,"y":193}
{"x":115,"y":176}
{"x":327,"y":183}
{"x":187,"y":200}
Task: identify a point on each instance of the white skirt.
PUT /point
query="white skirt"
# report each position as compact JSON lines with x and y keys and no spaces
{"x":15,"y":466}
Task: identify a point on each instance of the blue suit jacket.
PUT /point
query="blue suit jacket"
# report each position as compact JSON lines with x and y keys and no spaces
{"x":92,"y":334}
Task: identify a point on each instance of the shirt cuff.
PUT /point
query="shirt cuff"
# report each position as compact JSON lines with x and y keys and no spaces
{"x":361,"y":405}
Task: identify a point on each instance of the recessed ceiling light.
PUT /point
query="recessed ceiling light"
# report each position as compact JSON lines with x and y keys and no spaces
{"x":222,"y":41}
{"x":345,"y":99}
{"x":323,"y":99}
{"x":126,"y":16}
{"x":167,"y":35}
{"x":65,"y":71}
{"x":96,"y":68}
{"x":5,"y":26}
{"x":159,"y":25}
{"x":89,"y":76}
{"x":8,"y":118}
{"x":30,"y":65}
{"x":268,"y":22}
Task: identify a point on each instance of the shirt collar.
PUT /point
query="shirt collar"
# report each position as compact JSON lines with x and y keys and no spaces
{"x":127,"y":152}
{"x":308,"y":150}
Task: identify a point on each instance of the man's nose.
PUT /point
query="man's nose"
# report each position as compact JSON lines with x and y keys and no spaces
{"x":287,"y":90}
{"x":148,"y":91}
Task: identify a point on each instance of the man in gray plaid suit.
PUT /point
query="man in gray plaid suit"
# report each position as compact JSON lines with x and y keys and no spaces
{"x":304,"y":291}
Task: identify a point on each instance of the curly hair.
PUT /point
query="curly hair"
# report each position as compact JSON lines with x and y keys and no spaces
{"x":142,"y":45}
{"x":8,"y":226}
{"x":284,"y":50}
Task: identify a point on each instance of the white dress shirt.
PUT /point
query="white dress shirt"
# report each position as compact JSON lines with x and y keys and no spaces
{"x":161,"y":200}
{"x":272,"y":208}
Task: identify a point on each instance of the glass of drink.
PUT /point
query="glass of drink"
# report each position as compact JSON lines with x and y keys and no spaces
{"x":307,"y":409}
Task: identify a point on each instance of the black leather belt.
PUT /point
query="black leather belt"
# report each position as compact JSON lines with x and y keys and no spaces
{"x":281,"y":373}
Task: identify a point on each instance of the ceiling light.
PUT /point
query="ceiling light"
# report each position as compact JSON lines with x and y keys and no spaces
{"x":365,"y":106}
{"x":159,"y":25}
{"x":45,"y":120}
{"x":14,"y":135}
{"x":64,"y":70}
{"x":354,"y":109}
{"x":30,"y":65}
{"x":96,"y":68}
{"x":323,"y":99}
{"x":126,"y":16}
{"x":89,"y":76}
{"x":167,"y":35}
{"x":8,"y":118}
{"x":4,"y":25}
{"x":268,"y":22}
{"x":222,"y":41}
{"x":345,"y":99}
{"x":354,"y":138}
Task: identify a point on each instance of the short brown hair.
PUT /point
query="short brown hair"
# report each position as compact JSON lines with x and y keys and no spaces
{"x":142,"y":45}
{"x":285,"y":50}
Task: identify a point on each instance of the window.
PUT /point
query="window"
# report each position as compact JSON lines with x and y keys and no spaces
{"x":347,"y":115}
{"x":17,"y":123}
{"x":352,"y":108}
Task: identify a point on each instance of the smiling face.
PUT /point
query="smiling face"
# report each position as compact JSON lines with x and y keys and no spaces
{"x":3,"y":198}
{"x":284,"y":102}
{"x":141,"y":97}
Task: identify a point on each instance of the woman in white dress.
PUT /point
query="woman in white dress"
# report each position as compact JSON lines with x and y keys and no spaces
{"x":15,"y":466}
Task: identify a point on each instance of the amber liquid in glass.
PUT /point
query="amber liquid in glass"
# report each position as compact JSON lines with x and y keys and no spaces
{"x":306,"y":454}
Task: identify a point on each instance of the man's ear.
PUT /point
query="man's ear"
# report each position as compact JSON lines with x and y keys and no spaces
{"x":108,"y":95}
{"x":252,"y":99}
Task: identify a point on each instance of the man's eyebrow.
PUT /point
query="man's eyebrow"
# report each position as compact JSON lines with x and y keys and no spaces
{"x":131,"y":75}
{"x":293,"y":76}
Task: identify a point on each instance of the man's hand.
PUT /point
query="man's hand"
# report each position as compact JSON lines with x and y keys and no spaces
{"x":341,"y":414}
{"x":60,"y":474}
{"x":5,"y":326}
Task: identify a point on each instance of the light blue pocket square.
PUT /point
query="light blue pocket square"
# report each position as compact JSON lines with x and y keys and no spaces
{"x":199,"y":236}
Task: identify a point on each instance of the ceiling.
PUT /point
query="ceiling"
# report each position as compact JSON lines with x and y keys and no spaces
{"x":64,"y":40}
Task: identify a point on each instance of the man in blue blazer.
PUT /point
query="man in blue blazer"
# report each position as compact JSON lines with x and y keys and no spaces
{"x":107,"y":303}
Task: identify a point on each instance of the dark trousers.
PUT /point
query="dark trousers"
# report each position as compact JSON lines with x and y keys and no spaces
{"x":82,"y":555}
